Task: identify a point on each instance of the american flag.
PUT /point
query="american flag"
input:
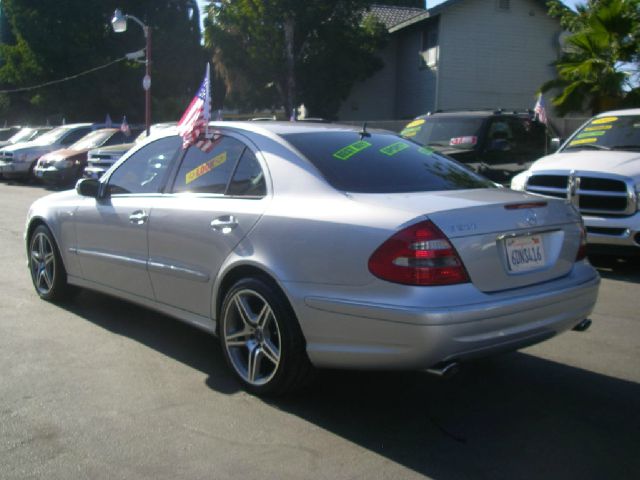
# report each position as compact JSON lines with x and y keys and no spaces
{"x":539,"y":110}
{"x":193,"y":127}
{"x":124,"y":126}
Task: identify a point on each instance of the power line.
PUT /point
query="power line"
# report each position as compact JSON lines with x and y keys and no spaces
{"x":65,"y":79}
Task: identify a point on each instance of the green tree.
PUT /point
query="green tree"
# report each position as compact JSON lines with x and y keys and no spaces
{"x":599,"y":65}
{"x":286,"y":52}
{"x":58,"y":39}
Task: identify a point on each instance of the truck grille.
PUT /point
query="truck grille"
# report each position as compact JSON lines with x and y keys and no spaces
{"x":105,"y":165}
{"x":606,"y":196}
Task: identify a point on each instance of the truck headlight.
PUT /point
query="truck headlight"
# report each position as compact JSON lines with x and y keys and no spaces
{"x":519,"y":182}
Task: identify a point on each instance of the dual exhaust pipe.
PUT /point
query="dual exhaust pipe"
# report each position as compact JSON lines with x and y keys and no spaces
{"x":449,"y":369}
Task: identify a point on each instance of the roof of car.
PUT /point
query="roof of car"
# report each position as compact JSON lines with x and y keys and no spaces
{"x":620,"y":113}
{"x":475,"y":113}
{"x":279,"y":128}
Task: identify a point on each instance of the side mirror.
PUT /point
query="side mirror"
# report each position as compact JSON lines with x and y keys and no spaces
{"x":88,"y":187}
{"x":555,"y":143}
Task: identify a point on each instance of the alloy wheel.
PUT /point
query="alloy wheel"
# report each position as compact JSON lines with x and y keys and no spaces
{"x":252,"y":337}
{"x":43,"y":263}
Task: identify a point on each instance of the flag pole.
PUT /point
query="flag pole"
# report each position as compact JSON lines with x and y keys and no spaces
{"x":207,"y":101}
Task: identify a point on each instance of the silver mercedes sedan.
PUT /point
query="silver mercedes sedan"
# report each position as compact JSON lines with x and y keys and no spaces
{"x":315,"y":245}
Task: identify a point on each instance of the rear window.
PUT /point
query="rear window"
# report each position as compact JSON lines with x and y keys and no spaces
{"x":382,"y":163}
{"x":459,"y":132}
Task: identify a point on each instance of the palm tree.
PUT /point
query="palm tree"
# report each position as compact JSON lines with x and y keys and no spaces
{"x":593,"y":71}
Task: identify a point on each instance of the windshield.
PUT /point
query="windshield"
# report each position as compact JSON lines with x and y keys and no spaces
{"x":23,"y":135}
{"x":51,"y":136}
{"x":608,"y":133}
{"x":92,"y":140}
{"x":459,"y":132}
{"x":382,"y":163}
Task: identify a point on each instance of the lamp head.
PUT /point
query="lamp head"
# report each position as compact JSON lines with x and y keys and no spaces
{"x":119,"y":21}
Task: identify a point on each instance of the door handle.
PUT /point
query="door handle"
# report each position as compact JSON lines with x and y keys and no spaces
{"x":224,"y":224}
{"x":138,"y":217}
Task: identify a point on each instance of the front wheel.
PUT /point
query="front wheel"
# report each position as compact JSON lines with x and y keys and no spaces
{"x":261,"y":339}
{"x":45,"y":264}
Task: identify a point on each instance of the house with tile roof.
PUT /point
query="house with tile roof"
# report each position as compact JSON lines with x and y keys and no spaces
{"x":460,"y":54}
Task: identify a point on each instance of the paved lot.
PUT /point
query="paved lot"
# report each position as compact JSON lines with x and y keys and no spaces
{"x":103,"y":389}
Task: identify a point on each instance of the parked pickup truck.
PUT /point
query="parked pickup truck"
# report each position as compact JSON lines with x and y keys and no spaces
{"x":598,"y":170}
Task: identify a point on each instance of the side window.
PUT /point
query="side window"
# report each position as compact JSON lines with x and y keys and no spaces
{"x":202,"y":172}
{"x":528,"y":136}
{"x":248,"y":179}
{"x":75,"y":135}
{"x":144,"y":171}
{"x":500,"y":130}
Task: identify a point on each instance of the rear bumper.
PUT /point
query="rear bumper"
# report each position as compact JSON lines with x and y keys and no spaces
{"x":12,"y":170}
{"x":93,"y":172}
{"x":349,"y":334}
{"x":55,"y":176}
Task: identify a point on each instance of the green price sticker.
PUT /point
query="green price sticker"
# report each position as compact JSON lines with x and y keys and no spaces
{"x":350,"y":150}
{"x":591,"y":134}
{"x":391,"y":150}
{"x":410,"y":131}
{"x":425,"y":150}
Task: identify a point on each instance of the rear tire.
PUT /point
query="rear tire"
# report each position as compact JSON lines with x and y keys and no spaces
{"x":261,"y":339}
{"x":45,"y":264}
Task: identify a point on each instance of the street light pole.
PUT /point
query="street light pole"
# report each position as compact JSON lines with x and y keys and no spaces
{"x":146,"y":82}
{"x":119,"y":24}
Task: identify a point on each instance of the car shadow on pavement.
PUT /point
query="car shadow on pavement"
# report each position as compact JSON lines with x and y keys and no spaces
{"x":615,"y":268}
{"x":164,"y":334}
{"x":515,"y":416}
{"x":512,"y":416}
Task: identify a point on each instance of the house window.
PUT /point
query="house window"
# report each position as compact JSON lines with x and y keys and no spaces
{"x":429,"y":46}
{"x":503,"y":4}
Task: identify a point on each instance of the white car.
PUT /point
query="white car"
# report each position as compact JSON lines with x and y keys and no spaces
{"x":598,"y":170}
{"x":18,"y":161}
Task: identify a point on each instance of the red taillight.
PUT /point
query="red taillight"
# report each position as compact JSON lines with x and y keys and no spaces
{"x":582,"y":249}
{"x":418,"y":255}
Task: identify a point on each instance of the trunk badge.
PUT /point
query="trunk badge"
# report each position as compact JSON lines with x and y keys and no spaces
{"x":531,"y":218}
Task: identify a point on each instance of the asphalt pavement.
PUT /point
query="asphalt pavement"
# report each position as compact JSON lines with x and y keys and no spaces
{"x":99,"y":388}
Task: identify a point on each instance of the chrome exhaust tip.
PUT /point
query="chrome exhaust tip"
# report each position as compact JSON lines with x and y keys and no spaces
{"x":444,"y":369}
{"x":583,"y":325}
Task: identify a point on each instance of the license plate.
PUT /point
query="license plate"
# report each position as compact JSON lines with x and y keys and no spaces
{"x":525,"y":253}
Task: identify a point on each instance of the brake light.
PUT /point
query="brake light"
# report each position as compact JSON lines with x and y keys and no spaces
{"x":582,"y":249}
{"x":418,"y":255}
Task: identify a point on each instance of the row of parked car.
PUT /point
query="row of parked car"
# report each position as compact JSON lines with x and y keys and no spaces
{"x":60,"y":156}
{"x":597,"y":169}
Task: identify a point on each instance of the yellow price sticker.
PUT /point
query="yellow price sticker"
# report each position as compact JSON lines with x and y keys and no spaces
{"x":205,"y":168}
{"x":415,"y":123}
{"x":410,"y":132}
{"x":583,"y":141}
{"x":597,"y":129}
{"x":600,"y":121}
